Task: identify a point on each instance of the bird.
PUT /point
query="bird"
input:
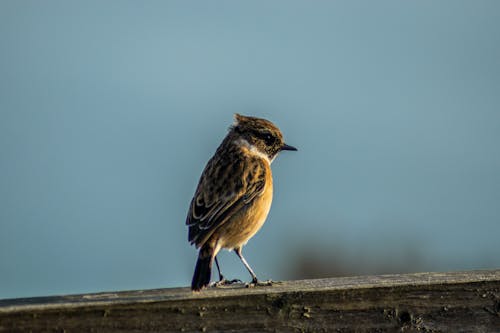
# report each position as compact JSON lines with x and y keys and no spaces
{"x":234,"y":194}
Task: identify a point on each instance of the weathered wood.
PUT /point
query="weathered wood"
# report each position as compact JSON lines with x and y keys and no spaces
{"x":423,"y":302}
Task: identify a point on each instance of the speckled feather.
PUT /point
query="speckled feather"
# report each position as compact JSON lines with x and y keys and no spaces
{"x":229,"y":182}
{"x":234,"y":193}
{"x":234,"y":176}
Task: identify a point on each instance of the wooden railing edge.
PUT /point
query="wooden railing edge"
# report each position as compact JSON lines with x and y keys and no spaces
{"x":464,"y":301}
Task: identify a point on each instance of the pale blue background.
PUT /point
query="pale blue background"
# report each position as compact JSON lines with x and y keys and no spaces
{"x":110,"y":109}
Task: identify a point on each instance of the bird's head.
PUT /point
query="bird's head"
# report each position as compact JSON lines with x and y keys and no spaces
{"x":260,"y":134}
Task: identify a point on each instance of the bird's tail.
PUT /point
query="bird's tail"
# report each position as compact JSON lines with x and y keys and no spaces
{"x":203,"y":270}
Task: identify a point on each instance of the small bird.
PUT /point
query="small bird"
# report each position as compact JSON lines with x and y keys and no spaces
{"x":234,"y":194}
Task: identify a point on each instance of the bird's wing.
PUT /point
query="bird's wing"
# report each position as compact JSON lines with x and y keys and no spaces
{"x":225,"y":187}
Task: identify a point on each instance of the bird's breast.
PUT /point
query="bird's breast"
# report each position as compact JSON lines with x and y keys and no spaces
{"x":249,"y":220}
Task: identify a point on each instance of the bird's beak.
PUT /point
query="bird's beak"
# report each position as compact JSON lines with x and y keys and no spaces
{"x":287,"y":147}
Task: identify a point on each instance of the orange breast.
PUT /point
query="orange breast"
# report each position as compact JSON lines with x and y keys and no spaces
{"x":244,"y":225}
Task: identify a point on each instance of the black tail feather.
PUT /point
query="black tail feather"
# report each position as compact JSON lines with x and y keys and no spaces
{"x":203,"y":270}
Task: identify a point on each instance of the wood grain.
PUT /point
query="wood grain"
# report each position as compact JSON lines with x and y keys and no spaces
{"x":421,"y":302}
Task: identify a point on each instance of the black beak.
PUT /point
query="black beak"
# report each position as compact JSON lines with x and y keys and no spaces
{"x":287,"y":147}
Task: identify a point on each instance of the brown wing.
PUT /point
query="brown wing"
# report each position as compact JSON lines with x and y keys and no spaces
{"x":225,"y":187}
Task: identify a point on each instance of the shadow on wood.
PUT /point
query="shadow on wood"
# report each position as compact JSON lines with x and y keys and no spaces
{"x":423,"y":302}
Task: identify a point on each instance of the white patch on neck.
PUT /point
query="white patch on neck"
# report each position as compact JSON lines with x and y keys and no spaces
{"x":253,"y":150}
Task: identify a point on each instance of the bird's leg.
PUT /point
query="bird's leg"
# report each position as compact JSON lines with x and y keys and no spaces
{"x":255,"y":281}
{"x":223,"y":281}
{"x":221,"y":277}
{"x":238,"y":253}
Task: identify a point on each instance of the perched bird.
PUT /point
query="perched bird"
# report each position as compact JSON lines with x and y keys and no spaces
{"x":234,"y":194}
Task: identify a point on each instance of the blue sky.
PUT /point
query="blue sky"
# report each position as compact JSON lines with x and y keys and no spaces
{"x":109,"y":111}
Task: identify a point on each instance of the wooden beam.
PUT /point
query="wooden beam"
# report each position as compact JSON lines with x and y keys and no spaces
{"x":423,"y":302}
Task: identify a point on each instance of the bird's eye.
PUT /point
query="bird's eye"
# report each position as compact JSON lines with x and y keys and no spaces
{"x":269,"y":139}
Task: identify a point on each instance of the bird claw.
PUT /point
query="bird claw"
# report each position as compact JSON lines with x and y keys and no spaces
{"x":224,"y":282}
{"x":257,"y":283}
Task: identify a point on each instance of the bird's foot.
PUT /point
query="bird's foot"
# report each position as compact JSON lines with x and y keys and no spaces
{"x":224,"y":282}
{"x":257,"y":283}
